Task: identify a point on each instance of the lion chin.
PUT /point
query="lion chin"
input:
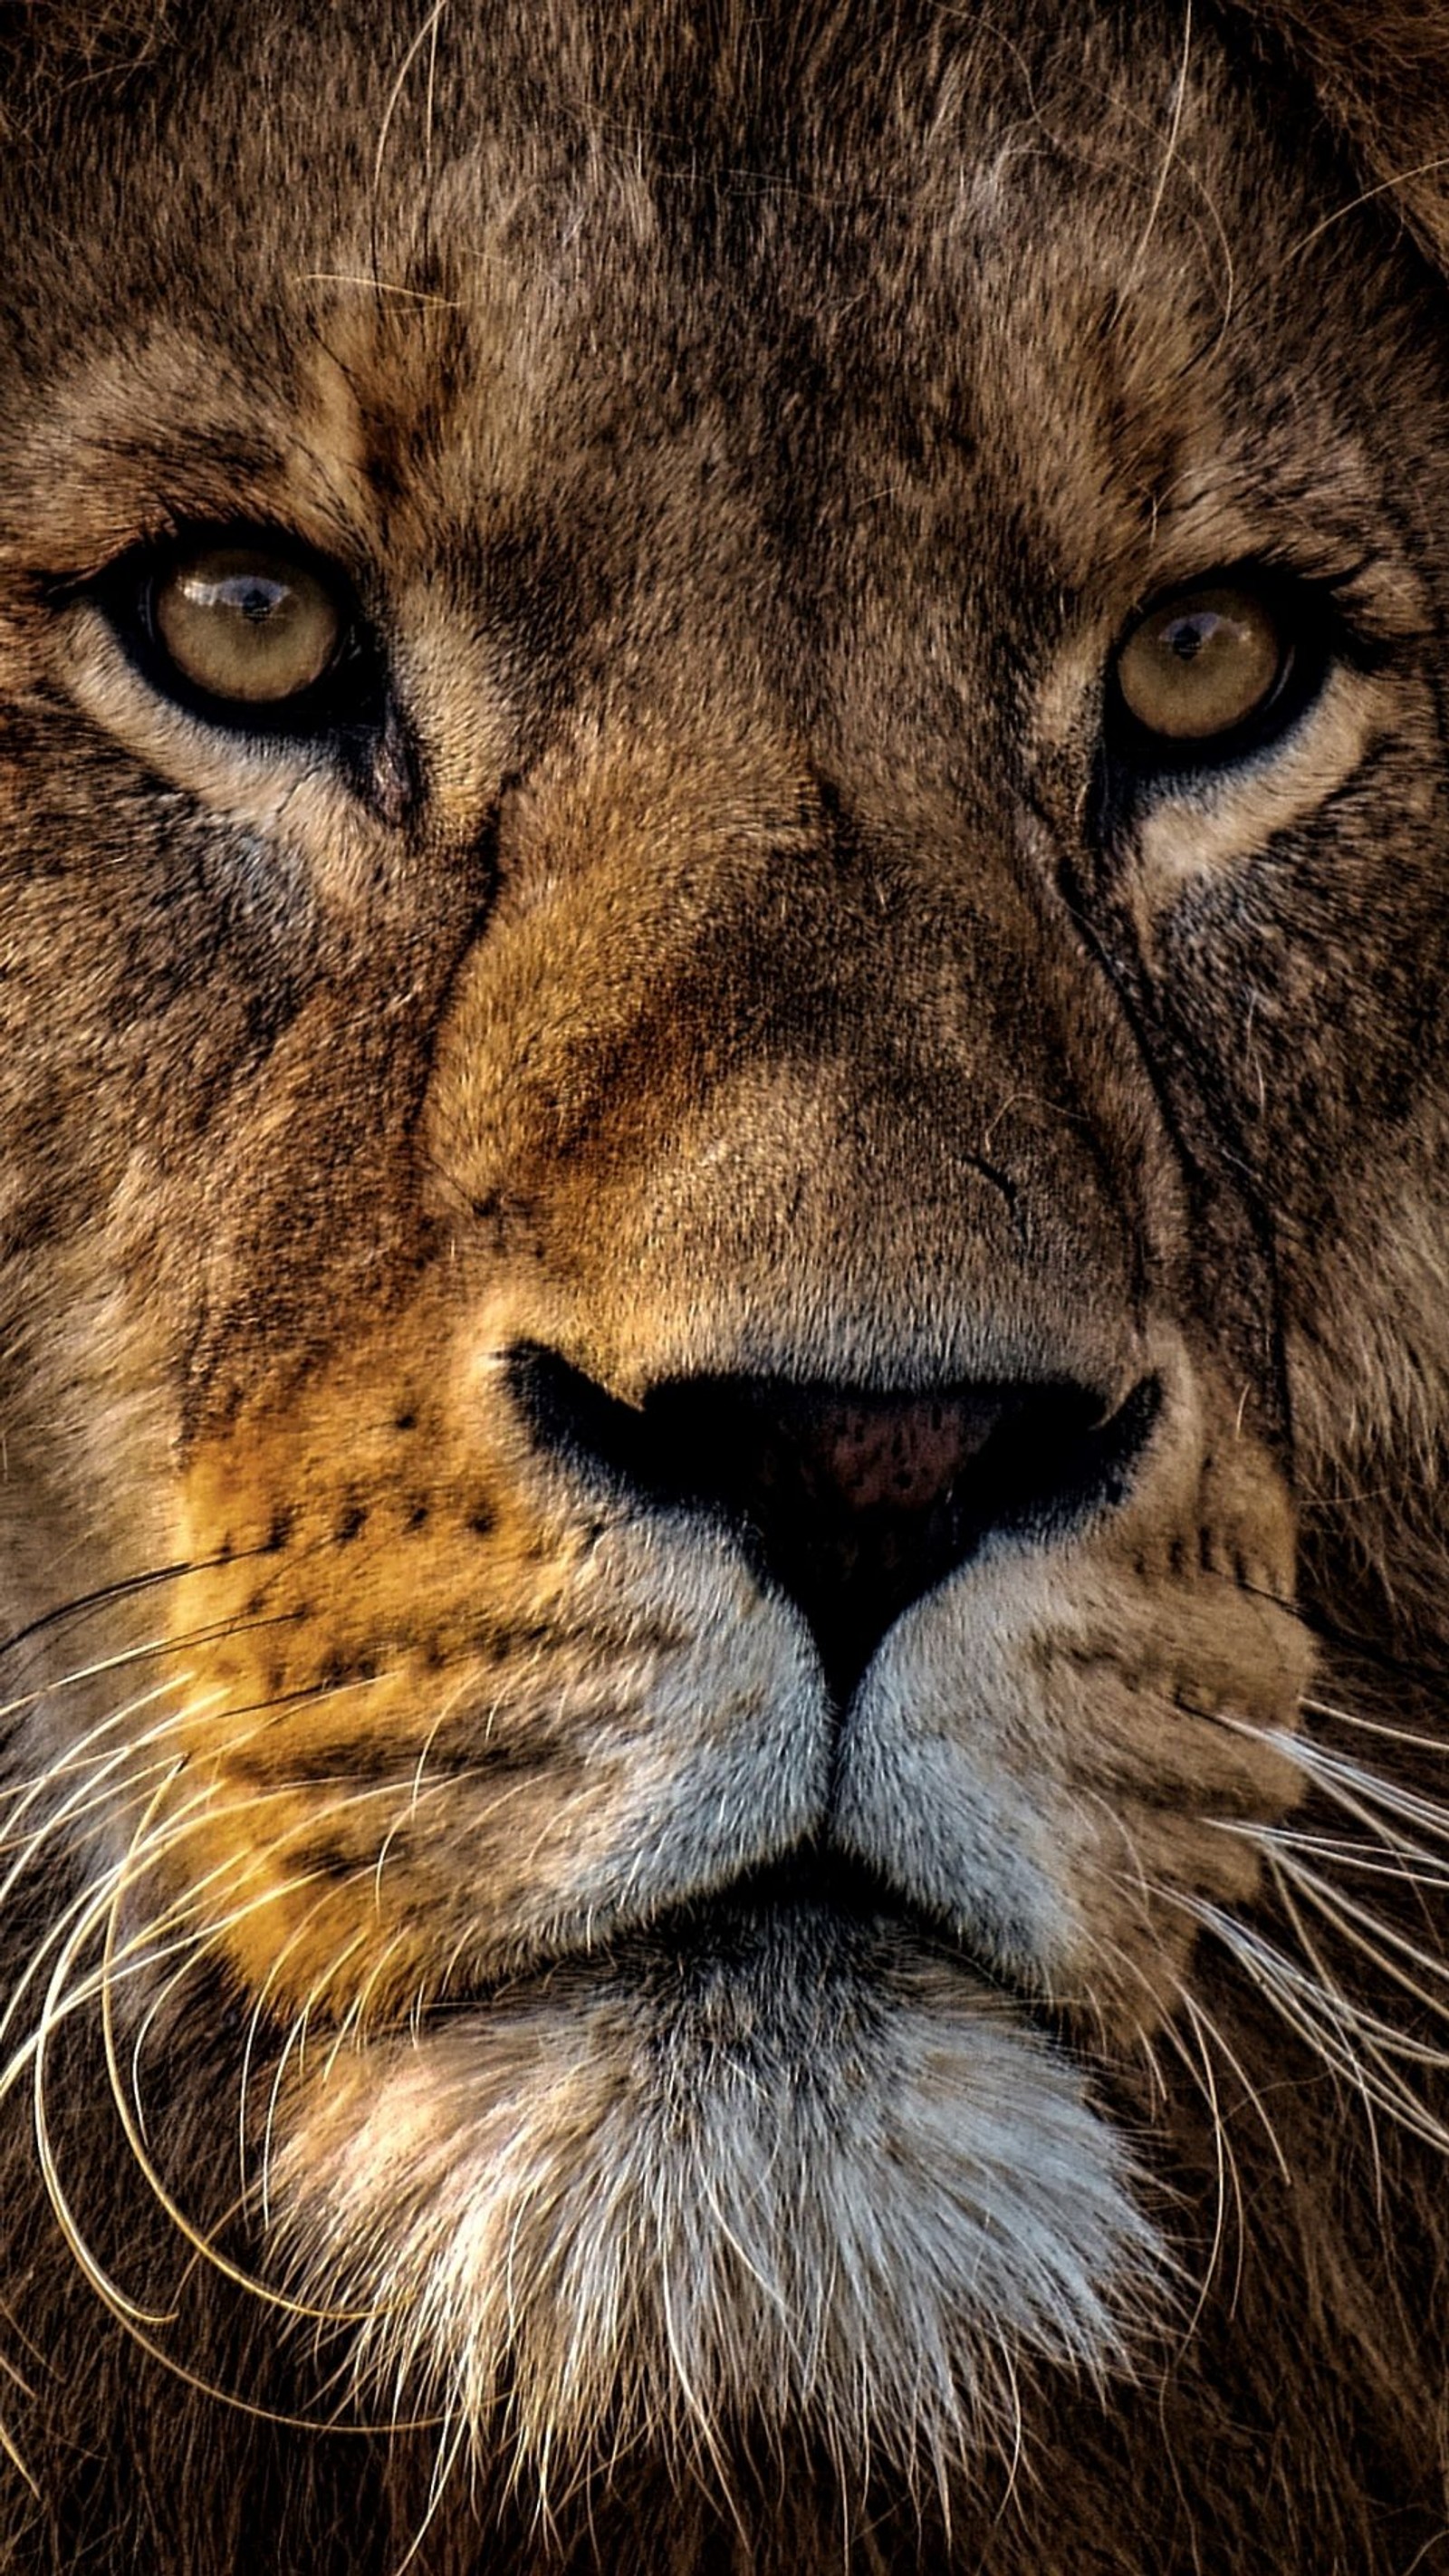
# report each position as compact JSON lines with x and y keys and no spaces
{"x":785,"y":2163}
{"x":724,"y":1354}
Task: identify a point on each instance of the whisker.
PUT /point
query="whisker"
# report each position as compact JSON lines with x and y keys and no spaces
{"x":356,"y":2013}
{"x":1226,"y":2162}
{"x":1355,"y":1923}
{"x":95,"y":1794}
{"x":177,"y":1642}
{"x":115,"y":2298}
{"x":1359,"y":1792}
{"x":1365,"y":1860}
{"x":162,"y":1936}
{"x":97,"y":1907}
{"x":1351,"y":2025}
{"x":1355,"y":1643}
{"x":124,"y":1589}
{"x":134,"y":2133}
{"x":453,"y":2432}
{"x":1324,"y":2019}
{"x":1376,"y":1726}
{"x":298,"y":2033}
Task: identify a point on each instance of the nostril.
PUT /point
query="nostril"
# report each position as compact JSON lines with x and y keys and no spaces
{"x":854,"y":1502}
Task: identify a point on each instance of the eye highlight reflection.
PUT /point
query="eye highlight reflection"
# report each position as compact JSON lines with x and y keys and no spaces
{"x":247,"y":625}
{"x":1204,"y":664}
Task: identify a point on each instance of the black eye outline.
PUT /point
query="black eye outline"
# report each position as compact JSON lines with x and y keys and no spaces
{"x":346,"y":705}
{"x":1315,"y":635}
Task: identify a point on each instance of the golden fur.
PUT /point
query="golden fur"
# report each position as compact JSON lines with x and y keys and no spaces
{"x":724,"y":1339}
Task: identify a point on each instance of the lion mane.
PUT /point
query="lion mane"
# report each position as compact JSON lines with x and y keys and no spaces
{"x":724,"y":1288}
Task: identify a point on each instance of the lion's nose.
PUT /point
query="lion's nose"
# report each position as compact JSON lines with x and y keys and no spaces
{"x":854,"y":1502}
{"x":861,"y":1502}
{"x":856,"y":1453}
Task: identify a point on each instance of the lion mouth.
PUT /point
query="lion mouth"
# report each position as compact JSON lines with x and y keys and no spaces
{"x":814,"y":1919}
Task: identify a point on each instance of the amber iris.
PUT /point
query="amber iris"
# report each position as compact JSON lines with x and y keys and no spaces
{"x":247,"y":624}
{"x":1203,"y":663}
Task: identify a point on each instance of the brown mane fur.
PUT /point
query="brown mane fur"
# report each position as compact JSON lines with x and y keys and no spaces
{"x":1285,"y":2411}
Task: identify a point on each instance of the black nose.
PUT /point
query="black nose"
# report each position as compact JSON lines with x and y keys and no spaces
{"x":853,"y":1502}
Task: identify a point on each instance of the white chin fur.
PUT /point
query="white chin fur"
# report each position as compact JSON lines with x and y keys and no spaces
{"x":808,"y":2173}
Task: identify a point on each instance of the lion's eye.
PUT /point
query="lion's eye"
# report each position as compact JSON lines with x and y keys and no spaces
{"x":1202,"y":665}
{"x":250,"y":626}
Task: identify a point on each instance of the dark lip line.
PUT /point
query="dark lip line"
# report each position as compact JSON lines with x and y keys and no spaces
{"x":813,"y":1877}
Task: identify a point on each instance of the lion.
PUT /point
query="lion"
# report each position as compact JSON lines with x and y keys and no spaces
{"x":724,"y":1288}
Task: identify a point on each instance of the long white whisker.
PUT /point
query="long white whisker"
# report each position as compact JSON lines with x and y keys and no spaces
{"x":1365,"y":1931}
{"x":1360,"y":1793}
{"x":134,"y":2133}
{"x":1374,"y":1726}
{"x":1323,"y":2021}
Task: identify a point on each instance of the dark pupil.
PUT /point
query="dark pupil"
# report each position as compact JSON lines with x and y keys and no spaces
{"x":1186,"y":636}
{"x":256,"y":598}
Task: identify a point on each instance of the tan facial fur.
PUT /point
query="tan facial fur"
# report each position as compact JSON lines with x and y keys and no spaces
{"x":723,"y":1369}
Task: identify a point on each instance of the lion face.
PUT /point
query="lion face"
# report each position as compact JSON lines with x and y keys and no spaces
{"x":720,"y":1115}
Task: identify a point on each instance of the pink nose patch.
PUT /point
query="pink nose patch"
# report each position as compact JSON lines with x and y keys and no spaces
{"x":900,"y":1454}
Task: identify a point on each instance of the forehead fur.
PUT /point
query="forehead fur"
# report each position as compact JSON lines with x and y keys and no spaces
{"x":1060,"y":284}
{"x":59,"y":63}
